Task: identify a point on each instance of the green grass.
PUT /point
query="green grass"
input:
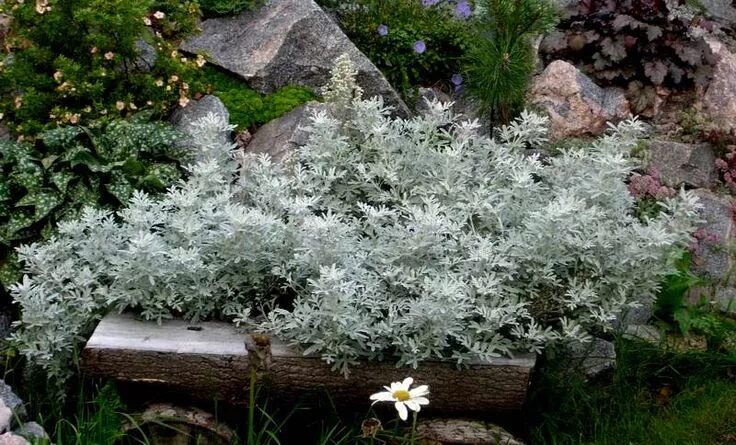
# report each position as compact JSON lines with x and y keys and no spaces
{"x":248,"y":108}
{"x":653,"y":397}
{"x":96,"y":422}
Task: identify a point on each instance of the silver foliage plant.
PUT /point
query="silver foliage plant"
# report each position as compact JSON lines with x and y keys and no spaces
{"x":382,"y":238}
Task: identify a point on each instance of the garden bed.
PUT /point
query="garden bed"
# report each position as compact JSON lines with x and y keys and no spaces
{"x":211,"y":358}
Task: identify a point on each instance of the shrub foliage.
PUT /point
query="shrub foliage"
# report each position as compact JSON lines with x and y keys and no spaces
{"x":383,"y":238}
{"x":120,"y":57}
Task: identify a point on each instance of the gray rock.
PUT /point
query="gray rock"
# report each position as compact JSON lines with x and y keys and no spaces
{"x":4,"y":133}
{"x":577,"y":107}
{"x":719,"y":100}
{"x":285,"y":134}
{"x":12,"y":401}
{"x":647,"y":333}
{"x":147,"y":56}
{"x":12,"y":439}
{"x":678,"y":164}
{"x":468,"y":110}
{"x":722,"y":10}
{"x":712,"y":256}
{"x":6,"y":418}
{"x":595,"y":357}
{"x":429,"y":95}
{"x":32,"y":431}
{"x":635,"y":316}
{"x":566,"y":8}
{"x":725,"y":299}
{"x":4,"y":25}
{"x":6,"y":325}
{"x":184,"y":118}
{"x":286,"y":42}
{"x":463,"y":432}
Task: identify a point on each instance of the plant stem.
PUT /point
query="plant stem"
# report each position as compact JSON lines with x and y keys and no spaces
{"x":252,"y":407}
{"x":413,"y":428}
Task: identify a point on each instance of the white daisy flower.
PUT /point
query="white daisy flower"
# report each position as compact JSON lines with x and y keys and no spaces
{"x":403,"y":397}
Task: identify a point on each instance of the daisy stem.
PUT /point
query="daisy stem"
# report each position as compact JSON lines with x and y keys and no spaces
{"x":413,"y":428}
{"x":252,"y":407}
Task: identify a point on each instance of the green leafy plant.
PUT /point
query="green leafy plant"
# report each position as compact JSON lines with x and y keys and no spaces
{"x":655,"y":396}
{"x":121,"y":57}
{"x":500,"y":64}
{"x":226,"y":7}
{"x":443,"y":31}
{"x":671,"y":303}
{"x":636,"y":44}
{"x":69,"y":168}
{"x":672,"y":307}
{"x":247,"y":107}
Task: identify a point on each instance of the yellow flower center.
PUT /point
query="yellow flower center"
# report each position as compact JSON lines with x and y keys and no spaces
{"x":401,"y":395}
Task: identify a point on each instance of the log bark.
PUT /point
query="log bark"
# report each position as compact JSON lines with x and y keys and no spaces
{"x":211,"y":360}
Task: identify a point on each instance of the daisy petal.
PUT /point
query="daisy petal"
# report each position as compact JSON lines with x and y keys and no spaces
{"x":420,"y":400}
{"x":419,"y":391}
{"x":407,"y":382}
{"x":382,"y":397}
{"x":412,"y":405}
{"x":403,"y":413}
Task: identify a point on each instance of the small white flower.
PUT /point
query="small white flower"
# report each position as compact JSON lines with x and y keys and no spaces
{"x":403,"y":397}
{"x":159,"y":15}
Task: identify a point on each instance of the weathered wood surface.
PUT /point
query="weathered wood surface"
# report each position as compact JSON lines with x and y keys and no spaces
{"x":213,"y":362}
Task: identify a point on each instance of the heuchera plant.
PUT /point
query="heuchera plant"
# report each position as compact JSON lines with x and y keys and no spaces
{"x":382,"y":239}
{"x":637,"y":44}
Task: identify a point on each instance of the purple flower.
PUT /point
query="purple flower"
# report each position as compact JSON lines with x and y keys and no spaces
{"x":420,"y":46}
{"x":382,"y":29}
{"x":463,"y":10}
{"x":457,"y":79}
{"x":430,"y":2}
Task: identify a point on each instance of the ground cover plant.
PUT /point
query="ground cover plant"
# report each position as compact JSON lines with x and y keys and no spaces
{"x":384,"y":238}
{"x":636,"y":44}
{"x":227,"y":7}
{"x":121,"y":57}
{"x":413,"y":42}
{"x":248,"y":108}
{"x":72,"y":167}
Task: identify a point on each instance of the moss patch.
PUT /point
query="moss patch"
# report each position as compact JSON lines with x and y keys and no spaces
{"x":249,"y":108}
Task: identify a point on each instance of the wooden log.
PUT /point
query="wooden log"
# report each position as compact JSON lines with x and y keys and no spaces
{"x":211,"y":360}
